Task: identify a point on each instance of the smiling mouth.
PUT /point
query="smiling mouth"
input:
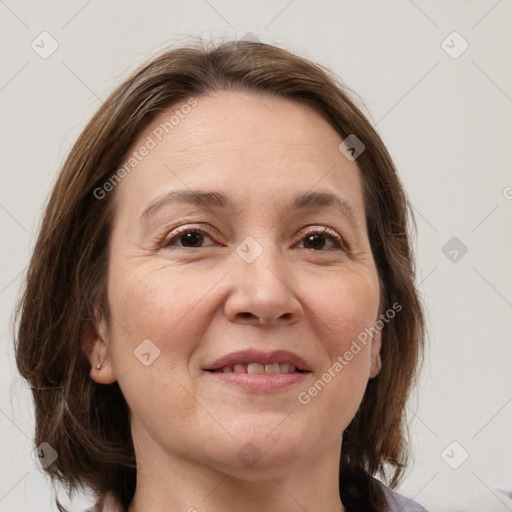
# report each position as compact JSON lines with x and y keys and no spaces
{"x":259,"y":369}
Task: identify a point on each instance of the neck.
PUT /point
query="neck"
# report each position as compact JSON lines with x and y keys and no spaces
{"x":166,"y":482}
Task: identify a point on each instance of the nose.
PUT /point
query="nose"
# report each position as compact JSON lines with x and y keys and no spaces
{"x":262,"y":293}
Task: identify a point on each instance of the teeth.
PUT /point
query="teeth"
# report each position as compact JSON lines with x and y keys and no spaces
{"x":284,"y":368}
{"x":259,"y":369}
{"x":255,"y":369}
{"x":272,"y":369}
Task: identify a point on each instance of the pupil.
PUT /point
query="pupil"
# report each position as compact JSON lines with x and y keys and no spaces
{"x":191,"y":238}
{"x":315,"y":241}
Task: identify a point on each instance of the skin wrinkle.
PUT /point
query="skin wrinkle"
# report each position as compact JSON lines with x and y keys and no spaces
{"x":185,"y":424}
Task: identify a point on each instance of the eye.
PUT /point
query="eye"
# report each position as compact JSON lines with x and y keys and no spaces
{"x":316,"y":239}
{"x":190,"y":237}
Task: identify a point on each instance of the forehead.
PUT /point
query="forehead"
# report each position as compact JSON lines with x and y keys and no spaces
{"x":252,"y":144}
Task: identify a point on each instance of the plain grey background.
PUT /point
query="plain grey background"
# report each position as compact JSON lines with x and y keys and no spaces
{"x":437,"y":82}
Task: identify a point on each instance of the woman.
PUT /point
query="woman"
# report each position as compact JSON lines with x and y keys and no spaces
{"x":220,"y":311}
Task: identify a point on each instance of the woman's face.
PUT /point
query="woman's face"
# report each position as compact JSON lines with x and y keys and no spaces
{"x":198,"y":286}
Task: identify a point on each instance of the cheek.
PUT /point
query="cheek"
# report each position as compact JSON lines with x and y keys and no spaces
{"x":151,"y":302}
{"x":345,"y":304}
{"x":162,"y":304}
{"x":173,"y":306}
{"x":344,"y":310}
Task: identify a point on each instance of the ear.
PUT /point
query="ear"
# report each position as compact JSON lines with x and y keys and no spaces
{"x":95,"y":345}
{"x":376,"y":363}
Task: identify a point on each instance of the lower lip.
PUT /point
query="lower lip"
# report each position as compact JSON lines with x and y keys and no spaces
{"x":262,"y":382}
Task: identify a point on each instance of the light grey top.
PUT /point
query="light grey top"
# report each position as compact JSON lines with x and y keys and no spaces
{"x":399,"y":503}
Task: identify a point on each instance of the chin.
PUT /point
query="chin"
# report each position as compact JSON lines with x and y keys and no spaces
{"x":254,"y":450}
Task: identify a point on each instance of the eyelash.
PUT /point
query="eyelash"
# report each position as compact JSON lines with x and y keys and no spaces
{"x":325,"y":232}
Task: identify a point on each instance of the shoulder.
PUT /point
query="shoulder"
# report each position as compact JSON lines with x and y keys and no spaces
{"x":398,"y":503}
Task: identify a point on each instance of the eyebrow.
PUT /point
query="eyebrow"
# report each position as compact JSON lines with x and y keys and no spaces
{"x":219,"y":200}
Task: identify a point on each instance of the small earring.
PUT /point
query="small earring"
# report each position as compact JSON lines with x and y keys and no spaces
{"x":98,"y":367}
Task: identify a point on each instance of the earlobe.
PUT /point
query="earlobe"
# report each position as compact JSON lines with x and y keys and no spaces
{"x":376,"y":366}
{"x":376,"y":362}
{"x":101,"y":368}
{"x":97,"y":353}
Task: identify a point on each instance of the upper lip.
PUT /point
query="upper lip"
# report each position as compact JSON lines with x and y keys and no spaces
{"x":259,"y":357}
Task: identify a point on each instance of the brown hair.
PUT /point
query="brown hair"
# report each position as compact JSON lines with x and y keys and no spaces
{"x":88,"y":424}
